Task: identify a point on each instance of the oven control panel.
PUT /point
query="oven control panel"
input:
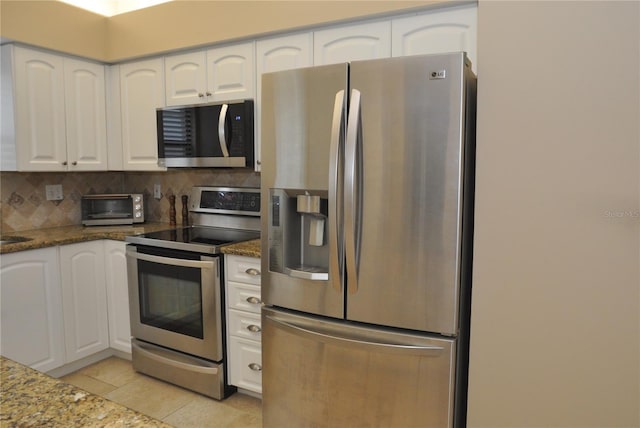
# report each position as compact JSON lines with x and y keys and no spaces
{"x":226,"y":200}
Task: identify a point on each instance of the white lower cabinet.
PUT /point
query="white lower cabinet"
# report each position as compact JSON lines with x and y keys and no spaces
{"x":117,"y":295}
{"x":84,"y":299}
{"x":244,"y":349}
{"x":31,"y":324}
{"x":63,"y":304}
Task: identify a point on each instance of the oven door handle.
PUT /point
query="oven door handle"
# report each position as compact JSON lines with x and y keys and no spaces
{"x":170,"y":260}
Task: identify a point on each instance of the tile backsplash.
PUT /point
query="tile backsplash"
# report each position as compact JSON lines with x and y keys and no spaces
{"x":24,"y":206}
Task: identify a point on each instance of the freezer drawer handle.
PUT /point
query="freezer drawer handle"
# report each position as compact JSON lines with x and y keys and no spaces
{"x":253,"y":300}
{"x":254,"y":328}
{"x":366,"y":344}
{"x":255,"y":367}
{"x":252,"y":272}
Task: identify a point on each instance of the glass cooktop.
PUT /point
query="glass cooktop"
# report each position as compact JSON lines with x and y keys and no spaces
{"x":200,"y":239}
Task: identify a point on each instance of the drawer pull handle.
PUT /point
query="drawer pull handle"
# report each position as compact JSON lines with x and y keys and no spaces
{"x":252,"y":272}
{"x":254,"y":328}
{"x":253,"y":300}
{"x":255,"y":367}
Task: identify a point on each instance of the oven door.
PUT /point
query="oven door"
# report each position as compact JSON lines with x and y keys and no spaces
{"x":175,"y":300}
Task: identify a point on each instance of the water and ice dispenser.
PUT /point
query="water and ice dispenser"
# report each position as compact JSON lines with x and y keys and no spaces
{"x":298,"y":230}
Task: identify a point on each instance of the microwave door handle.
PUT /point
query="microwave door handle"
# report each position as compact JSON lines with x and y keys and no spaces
{"x":222,"y":135}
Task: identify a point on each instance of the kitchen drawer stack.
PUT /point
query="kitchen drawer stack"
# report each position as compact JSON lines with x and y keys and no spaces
{"x":243,"y":322}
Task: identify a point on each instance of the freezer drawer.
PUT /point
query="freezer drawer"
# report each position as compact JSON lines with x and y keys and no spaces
{"x":326,"y":373}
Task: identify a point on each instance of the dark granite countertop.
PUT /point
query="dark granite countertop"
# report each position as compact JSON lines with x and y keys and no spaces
{"x":49,"y":237}
{"x":29,"y":398}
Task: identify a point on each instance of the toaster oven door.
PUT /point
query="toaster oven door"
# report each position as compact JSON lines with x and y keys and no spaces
{"x":98,"y":210}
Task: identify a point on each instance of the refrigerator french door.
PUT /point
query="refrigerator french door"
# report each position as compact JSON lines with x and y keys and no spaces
{"x":367,"y":219}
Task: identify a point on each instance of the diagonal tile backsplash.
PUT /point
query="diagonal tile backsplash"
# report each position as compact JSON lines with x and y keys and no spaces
{"x":24,"y":206}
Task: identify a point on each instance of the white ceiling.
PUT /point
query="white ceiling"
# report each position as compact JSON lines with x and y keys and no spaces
{"x":113,"y":7}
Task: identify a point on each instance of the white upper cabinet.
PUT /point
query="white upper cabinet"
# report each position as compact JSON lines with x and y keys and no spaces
{"x":284,"y":53}
{"x":53,"y":110}
{"x":352,"y":42}
{"x":86,"y":115}
{"x":437,"y":31}
{"x":186,"y":78}
{"x":277,"y":54}
{"x":218,"y":74}
{"x":231,"y":72}
{"x":141,"y":93}
{"x":39,"y":111}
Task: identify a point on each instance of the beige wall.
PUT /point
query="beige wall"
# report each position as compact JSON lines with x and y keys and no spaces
{"x":555,"y":321}
{"x":54,"y":25}
{"x":175,"y":25}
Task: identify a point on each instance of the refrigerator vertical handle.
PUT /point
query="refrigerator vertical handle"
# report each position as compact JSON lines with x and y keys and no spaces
{"x":336,"y":248}
{"x":222,"y":120}
{"x":351,"y":192}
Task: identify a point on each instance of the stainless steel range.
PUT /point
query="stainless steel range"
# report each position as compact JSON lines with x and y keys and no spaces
{"x":176,"y":293}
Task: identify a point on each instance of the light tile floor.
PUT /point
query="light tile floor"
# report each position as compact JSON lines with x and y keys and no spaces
{"x":115,"y":379}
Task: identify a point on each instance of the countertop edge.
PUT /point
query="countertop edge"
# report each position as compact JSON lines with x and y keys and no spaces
{"x":65,"y":235}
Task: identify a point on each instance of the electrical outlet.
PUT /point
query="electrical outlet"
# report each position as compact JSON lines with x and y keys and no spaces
{"x":157,"y":191}
{"x":54,"y":192}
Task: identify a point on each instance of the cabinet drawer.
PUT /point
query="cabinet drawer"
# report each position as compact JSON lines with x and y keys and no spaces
{"x":245,"y":324}
{"x":245,"y":297}
{"x":245,"y":364}
{"x":243,"y":269}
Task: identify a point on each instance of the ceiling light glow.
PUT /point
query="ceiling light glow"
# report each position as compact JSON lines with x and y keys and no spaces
{"x":113,"y":7}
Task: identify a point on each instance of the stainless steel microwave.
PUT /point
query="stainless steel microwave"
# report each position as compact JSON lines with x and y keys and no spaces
{"x":112,"y":209}
{"x":206,"y":135}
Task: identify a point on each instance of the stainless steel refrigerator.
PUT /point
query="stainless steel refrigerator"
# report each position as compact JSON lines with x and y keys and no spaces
{"x":367,"y":223}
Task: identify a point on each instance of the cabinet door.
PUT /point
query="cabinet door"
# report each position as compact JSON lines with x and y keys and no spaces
{"x":84,"y":299}
{"x":439,"y":31}
{"x":39,"y":111}
{"x":352,"y":43}
{"x":277,"y":54}
{"x":141,"y":93}
{"x":231,"y":72}
{"x":186,"y":78}
{"x":31,"y":325}
{"x":85,"y":100}
{"x":117,"y":295}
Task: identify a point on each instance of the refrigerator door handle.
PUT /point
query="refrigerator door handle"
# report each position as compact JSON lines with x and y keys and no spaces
{"x":351,"y":192}
{"x":425,"y":350}
{"x":335,"y":225}
{"x":222,"y":120}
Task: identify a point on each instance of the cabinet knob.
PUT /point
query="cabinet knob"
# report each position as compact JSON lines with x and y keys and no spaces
{"x":201,"y":95}
{"x":208,"y":93}
{"x":254,"y":328}
{"x":252,"y":272}
{"x":255,"y":367}
{"x":74,"y":163}
{"x":253,"y":300}
{"x":64,"y":163}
